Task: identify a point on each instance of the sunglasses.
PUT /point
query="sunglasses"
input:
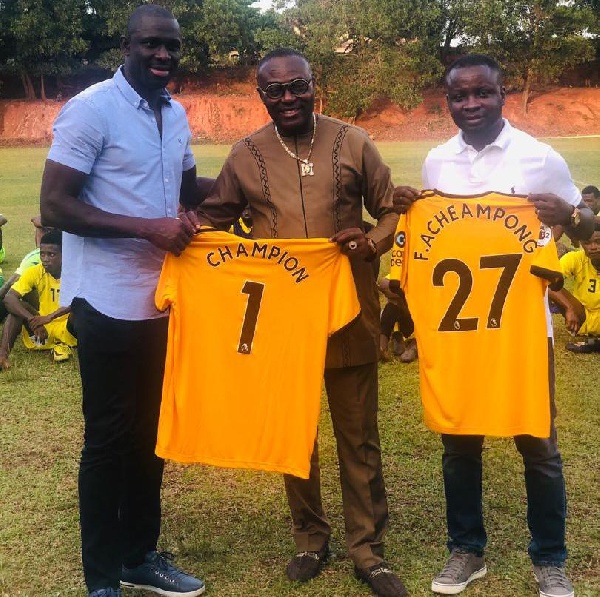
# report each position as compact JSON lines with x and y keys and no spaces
{"x":277,"y":90}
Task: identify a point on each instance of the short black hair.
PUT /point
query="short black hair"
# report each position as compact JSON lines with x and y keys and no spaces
{"x":53,"y":237}
{"x":591,"y":190}
{"x":280,"y":53}
{"x":146,"y":10}
{"x":474,"y":60}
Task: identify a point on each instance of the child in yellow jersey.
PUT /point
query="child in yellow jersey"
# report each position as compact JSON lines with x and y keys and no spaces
{"x":49,"y":328}
{"x":581,"y":309}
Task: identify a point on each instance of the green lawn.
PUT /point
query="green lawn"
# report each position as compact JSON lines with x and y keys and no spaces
{"x":232,"y":527}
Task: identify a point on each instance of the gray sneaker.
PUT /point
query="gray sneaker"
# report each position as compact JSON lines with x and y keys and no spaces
{"x":553,"y":581}
{"x":461,"y":568}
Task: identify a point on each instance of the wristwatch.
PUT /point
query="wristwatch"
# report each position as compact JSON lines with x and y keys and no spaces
{"x":575,"y":217}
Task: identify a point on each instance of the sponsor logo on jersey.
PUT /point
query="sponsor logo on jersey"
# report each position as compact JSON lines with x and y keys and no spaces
{"x":545,"y":235}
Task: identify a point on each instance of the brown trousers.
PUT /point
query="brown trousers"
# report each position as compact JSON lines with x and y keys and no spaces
{"x":352,"y":393}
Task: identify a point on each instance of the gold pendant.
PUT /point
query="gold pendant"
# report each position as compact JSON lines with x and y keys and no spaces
{"x":306,"y":169}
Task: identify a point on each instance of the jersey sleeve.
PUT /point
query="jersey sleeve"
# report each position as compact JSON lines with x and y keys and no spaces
{"x":27,"y":282}
{"x":343,"y":304}
{"x":545,"y":264}
{"x":568,"y":264}
{"x":165,"y":290}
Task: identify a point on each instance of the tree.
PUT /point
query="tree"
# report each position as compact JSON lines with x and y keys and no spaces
{"x":212,"y":30}
{"x":41,"y":37}
{"x":365,"y":50}
{"x":535,"y":40}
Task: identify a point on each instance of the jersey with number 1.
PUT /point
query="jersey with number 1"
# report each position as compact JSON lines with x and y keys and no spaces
{"x":475,"y":271}
{"x":248,"y":331}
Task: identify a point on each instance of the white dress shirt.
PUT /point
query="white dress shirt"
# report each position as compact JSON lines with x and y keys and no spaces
{"x":514,"y":163}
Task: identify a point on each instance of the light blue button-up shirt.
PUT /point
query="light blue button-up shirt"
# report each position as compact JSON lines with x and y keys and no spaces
{"x":110,"y":133}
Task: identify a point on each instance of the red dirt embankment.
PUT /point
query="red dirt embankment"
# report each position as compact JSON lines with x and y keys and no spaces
{"x":222,"y":116}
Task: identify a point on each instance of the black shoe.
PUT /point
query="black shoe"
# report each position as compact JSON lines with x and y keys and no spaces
{"x":157,"y":574}
{"x":382,"y":581}
{"x":585,"y":346}
{"x":108,"y":592}
{"x":305,"y":565}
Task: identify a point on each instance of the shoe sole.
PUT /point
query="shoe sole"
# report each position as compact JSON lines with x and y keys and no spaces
{"x":458,"y":588}
{"x":130,"y":585}
{"x":571,"y":594}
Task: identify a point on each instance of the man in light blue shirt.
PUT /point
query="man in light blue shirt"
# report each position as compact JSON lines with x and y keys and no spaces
{"x":119,"y":166}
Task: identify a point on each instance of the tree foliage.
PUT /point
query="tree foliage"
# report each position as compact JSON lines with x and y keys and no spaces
{"x":535,"y":40}
{"x":40,"y":37}
{"x":360,"y":51}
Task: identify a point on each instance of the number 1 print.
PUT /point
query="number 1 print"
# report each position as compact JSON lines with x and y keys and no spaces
{"x":254,"y":290}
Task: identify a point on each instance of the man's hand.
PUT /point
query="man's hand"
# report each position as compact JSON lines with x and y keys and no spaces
{"x":38,"y":321}
{"x":551,"y":209}
{"x":37,"y":326}
{"x":171,"y":234}
{"x":404,"y":197}
{"x":354,"y":243}
{"x":574,"y":317}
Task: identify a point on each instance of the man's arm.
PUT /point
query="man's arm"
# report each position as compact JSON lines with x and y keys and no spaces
{"x":554,"y":211}
{"x":14,"y":305}
{"x":204,"y":185}
{"x":7,"y":285}
{"x":39,"y":321}
{"x":194,"y":189}
{"x":225,"y":201}
{"x":571,"y":308}
{"x":61,"y":208}
{"x":377,"y":191}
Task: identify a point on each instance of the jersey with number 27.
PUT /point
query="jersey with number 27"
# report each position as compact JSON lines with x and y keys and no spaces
{"x":475,"y":271}
{"x":248,"y":329}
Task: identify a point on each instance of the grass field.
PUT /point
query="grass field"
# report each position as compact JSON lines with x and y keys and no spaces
{"x":232,"y":527}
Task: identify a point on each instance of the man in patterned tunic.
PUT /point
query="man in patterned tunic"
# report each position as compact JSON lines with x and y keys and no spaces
{"x":309,"y":176}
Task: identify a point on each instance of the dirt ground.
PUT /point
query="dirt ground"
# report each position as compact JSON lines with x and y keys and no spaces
{"x":223,"y":113}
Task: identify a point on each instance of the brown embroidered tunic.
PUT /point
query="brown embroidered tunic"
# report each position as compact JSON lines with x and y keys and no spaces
{"x":349,"y":175}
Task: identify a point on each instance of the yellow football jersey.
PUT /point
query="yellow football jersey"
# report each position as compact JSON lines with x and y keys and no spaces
{"x":48,"y":289}
{"x":475,"y":271}
{"x":248,"y":331}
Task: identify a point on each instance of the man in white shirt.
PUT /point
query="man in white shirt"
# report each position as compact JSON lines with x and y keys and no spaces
{"x":488,"y":154}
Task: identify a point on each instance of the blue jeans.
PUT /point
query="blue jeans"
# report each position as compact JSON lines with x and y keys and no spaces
{"x":544,"y":483}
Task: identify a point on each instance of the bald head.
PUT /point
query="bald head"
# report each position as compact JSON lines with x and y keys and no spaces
{"x":146,"y":10}
{"x":280,"y":53}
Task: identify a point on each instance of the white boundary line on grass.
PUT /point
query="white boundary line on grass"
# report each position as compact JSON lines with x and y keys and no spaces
{"x":574,"y":137}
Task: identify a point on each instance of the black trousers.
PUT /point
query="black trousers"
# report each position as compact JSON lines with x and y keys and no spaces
{"x":396,"y":312}
{"x":122,"y":365}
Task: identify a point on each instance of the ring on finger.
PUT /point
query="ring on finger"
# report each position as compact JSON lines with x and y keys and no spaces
{"x":352,"y":245}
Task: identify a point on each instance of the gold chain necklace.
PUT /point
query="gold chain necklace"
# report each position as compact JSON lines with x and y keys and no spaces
{"x":306,"y":166}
